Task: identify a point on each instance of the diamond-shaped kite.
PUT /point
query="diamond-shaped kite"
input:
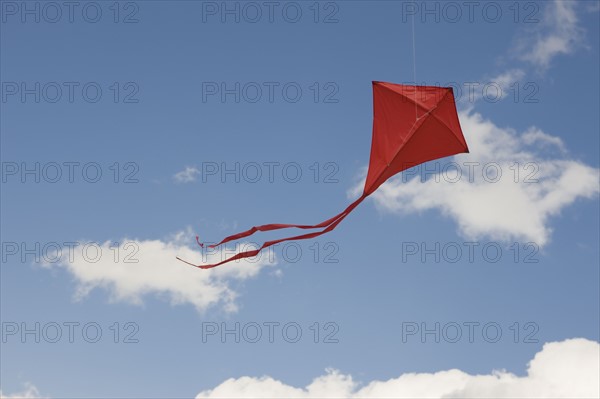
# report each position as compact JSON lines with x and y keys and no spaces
{"x":411,"y":125}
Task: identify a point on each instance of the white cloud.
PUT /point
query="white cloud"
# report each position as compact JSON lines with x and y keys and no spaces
{"x":495,"y":88}
{"x":557,"y":33}
{"x":158,"y":272}
{"x":506,"y":80}
{"x":567,"y":369}
{"x":188,"y":175}
{"x":331,"y":385}
{"x":534,"y":135}
{"x":517,"y":206}
{"x":506,"y":209}
{"x":30,"y":392}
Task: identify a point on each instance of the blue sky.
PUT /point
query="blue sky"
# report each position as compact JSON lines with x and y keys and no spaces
{"x":158,"y":124}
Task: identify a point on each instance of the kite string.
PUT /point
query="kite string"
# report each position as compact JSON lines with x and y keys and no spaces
{"x":414,"y":61}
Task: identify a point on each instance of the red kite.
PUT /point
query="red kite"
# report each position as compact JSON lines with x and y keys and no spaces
{"x":411,"y":125}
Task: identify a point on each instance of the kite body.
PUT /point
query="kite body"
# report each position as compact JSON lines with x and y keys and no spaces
{"x":411,"y":125}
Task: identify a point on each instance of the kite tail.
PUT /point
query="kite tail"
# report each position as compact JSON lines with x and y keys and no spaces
{"x":269,"y":227}
{"x":329,"y":225}
{"x":277,"y":226}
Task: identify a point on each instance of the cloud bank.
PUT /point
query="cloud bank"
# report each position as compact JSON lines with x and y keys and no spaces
{"x":29,"y":392}
{"x":567,"y":369}
{"x":506,"y":188}
{"x":558,"y":33}
{"x":136,"y":268}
